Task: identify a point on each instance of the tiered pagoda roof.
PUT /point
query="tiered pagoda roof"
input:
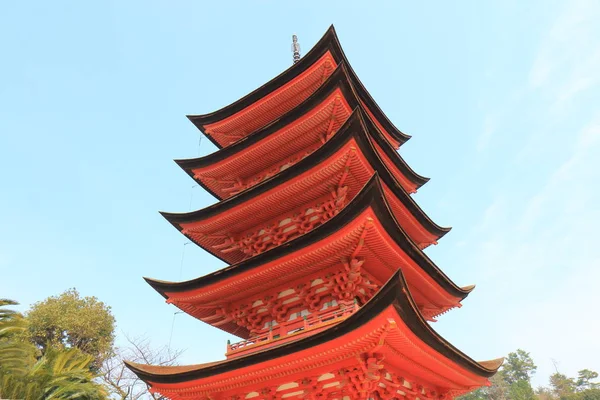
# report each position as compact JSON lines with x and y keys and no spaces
{"x":367,"y":219}
{"x":286,"y":91}
{"x":328,"y":286}
{"x":343,"y":166}
{"x":358,"y":357}
{"x":294,"y":135}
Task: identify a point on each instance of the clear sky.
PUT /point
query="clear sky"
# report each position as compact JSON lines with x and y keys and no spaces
{"x":501,"y":98}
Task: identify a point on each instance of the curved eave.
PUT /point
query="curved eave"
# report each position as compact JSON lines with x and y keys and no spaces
{"x":356,"y":126}
{"x":392,"y":183}
{"x":371,"y":195}
{"x":339,"y":79}
{"x":329,"y":42}
{"x":394,"y":293}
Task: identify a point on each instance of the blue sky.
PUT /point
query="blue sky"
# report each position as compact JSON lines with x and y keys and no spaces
{"x":501,"y":99}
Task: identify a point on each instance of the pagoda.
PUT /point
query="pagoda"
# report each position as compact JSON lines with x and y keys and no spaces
{"x":327,"y":289}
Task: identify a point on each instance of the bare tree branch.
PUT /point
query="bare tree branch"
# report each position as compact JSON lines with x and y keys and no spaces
{"x":124,"y":384}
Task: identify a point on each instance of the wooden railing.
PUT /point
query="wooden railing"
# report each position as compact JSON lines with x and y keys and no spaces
{"x":292,"y":328}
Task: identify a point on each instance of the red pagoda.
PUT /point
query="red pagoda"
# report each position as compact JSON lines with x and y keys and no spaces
{"x":328,"y":288}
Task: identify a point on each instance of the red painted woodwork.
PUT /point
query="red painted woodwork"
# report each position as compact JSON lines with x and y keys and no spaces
{"x":290,"y":144}
{"x":277,"y":152}
{"x":328,"y":288}
{"x":393,"y":142}
{"x":294,"y":208}
{"x":291,"y":330}
{"x":272,"y":106}
{"x":362,"y":246}
{"x":389,"y":355}
{"x":277,"y":103}
{"x":235,"y":118}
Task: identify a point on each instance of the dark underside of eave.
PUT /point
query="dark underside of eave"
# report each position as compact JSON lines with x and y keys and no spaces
{"x":338,"y":80}
{"x":370,"y":196}
{"x":394,"y":292}
{"x":329,"y":42}
{"x":356,"y":126}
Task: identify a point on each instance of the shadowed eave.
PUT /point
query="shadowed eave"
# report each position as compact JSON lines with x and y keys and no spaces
{"x":329,"y":42}
{"x":371,"y":195}
{"x":339,"y":79}
{"x":394,"y":293}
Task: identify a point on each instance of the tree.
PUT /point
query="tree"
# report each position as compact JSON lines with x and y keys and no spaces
{"x":521,"y":390}
{"x":519,"y":366}
{"x":499,"y":388}
{"x":60,"y":374}
{"x":584,"y":378}
{"x":72,"y":321}
{"x":588,"y":394}
{"x":497,"y":391}
{"x":512,"y":382}
{"x":565,"y":388}
{"x":544,"y":393}
{"x":15,"y":353}
{"x":123,"y":383}
{"x":479,"y":394}
{"x":562,"y":387}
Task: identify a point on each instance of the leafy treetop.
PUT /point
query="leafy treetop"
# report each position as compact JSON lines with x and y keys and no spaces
{"x":519,"y":366}
{"x":72,"y":321}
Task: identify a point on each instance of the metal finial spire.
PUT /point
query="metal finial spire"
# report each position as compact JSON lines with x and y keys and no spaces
{"x":295,"y":48}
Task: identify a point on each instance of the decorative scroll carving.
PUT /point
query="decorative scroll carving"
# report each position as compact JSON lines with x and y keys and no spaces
{"x":351,"y":283}
{"x":279,"y":310}
{"x":306,"y":219}
{"x":239,"y":184}
{"x":269,"y":393}
{"x":312,"y":297}
{"x":371,"y":380}
{"x":361,"y":381}
{"x":345,"y":284}
{"x":287,"y":228}
{"x":311,"y":387}
{"x":246,"y":316}
{"x":366,"y":378}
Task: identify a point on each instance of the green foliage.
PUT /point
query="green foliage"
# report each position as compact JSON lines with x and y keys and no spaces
{"x":15,"y":353}
{"x":584,"y":380}
{"x":479,"y":394}
{"x":587,"y":394}
{"x":513,"y":382}
{"x":519,"y":366}
{"x":582,"y":388}
{"x":70,"y":321}
{"x":521,"y":390}
{"x":561,"y":386}
{"x":497,"y":391}
{"x":544,"y":393}
{"x":499,"y":388}
{"x":57,"y":375}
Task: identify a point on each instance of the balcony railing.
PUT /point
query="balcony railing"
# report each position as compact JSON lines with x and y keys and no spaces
{"x":290,"y":329}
